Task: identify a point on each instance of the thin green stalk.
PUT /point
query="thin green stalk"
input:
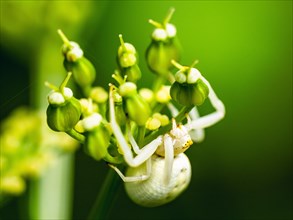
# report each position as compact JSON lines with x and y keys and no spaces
{"x":86,"y":90}
{"x":160,"y":80}
{"x":140,"y":135}
{"x":158,"y":107}
{"x":50,"y":197}
{"x":77,"y":136}
{"x":106,"y":196}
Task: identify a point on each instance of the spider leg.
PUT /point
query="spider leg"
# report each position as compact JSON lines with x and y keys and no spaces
{"x":134,"y":178}
{"x":197,"y":135}
{"x":145,"y":153}
{"x":174,"y":111}
{"x":210,"y":119}
{"x":169,"y":158}
{"x":133,"y":143}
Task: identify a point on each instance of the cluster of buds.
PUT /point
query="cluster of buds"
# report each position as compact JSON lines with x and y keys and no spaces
{"x":28,"y":149}
{"x":113,"y":126}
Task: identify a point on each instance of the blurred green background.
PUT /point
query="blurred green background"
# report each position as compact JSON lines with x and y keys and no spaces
{"x":243,"y":170}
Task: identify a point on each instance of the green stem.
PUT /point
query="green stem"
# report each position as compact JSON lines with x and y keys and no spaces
{"x":65,"y":81}
{"x":140,"y":135}
{"x":77,"y":136}
{"x":105,"y":198}
{"x":50,"y":196}
{"x":169,"y":16}
{"x":158,"y":107}
{"x":122,"y":42}
{"x":179,"y":118}
{"x":86,"y":91}
{"x":64,"y":38}
{"x":160,"y":80}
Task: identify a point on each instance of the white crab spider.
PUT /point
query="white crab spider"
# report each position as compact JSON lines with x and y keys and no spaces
{"x":166,"y":149}
{"x":175,"y":139}
{"x":163,"y":179}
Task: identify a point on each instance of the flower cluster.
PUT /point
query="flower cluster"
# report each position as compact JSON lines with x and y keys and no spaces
{"x":28,"y":149}
{"x":137,"y":129}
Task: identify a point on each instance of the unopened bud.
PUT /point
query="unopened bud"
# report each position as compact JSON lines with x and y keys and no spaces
{"x":163,"y":95}
{"x":97,"y":142}
{"x":99,"y":95}
{"x":153,"y":124}
{"x":64,"y":110}
{"x":83,"y":71}
{"x":163,"y":48}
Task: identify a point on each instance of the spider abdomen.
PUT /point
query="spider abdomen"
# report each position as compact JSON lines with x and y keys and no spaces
{"x":154,"y":191}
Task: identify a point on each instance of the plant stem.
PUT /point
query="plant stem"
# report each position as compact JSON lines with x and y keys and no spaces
{"x":79,"y":137}
{"x":105,"y":198}
{"x":140,"y":135}
{"x":50,"y":196}
{"x":158,"y":107}
{"x":160,"y":80}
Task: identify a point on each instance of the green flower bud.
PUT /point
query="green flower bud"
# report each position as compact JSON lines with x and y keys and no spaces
{"x":164,"y":46}
{"x":156,"y":121}
{"x":127,"y":89}
{"x":79,"y":127}
{"x":83,"y":71}
{"x":133,"y":73}
{"x":163,"y":95}
{"x":146,"y":94}
{"x":72,"y":52}
{"x":153,"y":123}
{"x":188,"y":89}
{"x":97,"y":142}
{"x":125,"y":47}
{"x":127,"y":60}
{"x":127,"y":55}
{"x":64,"y":117}
{"x":99,"y":95}
{"x":137,"y":109}
{"x":92,"y":121}
{"x":189,"y":94}
{"x":64,"y":110}
{"x":135,"y":106}
{"x":88,"y":107}
{"x":162,"y":118}
{"x":98,"y":139}
{"x":159,"y":55}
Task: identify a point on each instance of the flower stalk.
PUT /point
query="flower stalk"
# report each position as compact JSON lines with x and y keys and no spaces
{"x":137,"y":124}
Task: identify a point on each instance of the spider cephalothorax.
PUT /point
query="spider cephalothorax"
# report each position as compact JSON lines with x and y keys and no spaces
{"x":181,"y":140}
